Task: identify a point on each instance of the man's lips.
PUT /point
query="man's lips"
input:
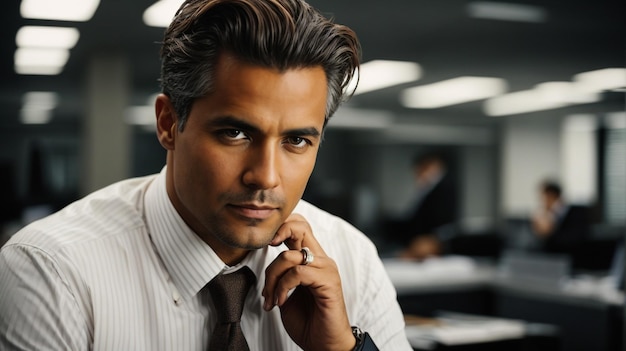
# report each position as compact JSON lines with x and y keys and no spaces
{"x":254,"y":211}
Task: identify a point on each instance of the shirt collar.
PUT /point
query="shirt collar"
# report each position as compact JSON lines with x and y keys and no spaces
{"x":189,"y":261}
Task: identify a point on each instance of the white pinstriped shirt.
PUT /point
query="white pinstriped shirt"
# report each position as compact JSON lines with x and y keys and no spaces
{"x":120,"y":270}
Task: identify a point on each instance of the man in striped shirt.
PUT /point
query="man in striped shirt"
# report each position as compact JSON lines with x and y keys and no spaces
{"x":248,"y":87}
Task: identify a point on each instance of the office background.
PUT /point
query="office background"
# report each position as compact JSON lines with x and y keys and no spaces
{"x":500,"y":158}
{"x":92,"y":127}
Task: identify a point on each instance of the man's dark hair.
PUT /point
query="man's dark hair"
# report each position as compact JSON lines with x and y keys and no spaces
{"x":429,"y":158}
{"x":278,"y":34}
{"x":551,"y":187}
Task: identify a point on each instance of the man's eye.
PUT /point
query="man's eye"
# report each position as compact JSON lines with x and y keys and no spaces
{"x":298,"y":141}
{"x":233,"y":134}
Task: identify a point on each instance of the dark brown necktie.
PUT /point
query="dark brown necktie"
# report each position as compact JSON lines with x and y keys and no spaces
{"x":228,"y":292}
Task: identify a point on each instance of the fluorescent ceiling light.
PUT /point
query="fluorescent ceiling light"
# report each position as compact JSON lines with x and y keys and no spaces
{"x":38,"y":70}
{"x":545,"y":96}
{"x":161,"y":13}
{"x":506,"y":11}
{"x":379,"y":74}
{"x":602,"y":79}
{"x":47,"y":37}
{"x":565,"y":92}
{"x":37,"y":107}
{"x":59,"y":10}
{"x":140,"y":115}
{"x":35,"y":116}
{"x":353,"y":118}
{"x":518,"y":102}
{"x":453,"y":91}
{"x":41,"y":99}
{"x":44,"y":57}
{"x":40,"y":61}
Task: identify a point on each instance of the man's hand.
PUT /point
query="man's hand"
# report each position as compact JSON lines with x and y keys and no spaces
{"x":314,"y":314}
{"x":543,"y":224}
{"x":422,"y":247}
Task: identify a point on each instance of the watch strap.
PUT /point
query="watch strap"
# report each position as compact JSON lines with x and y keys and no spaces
{"x":363,"y":340}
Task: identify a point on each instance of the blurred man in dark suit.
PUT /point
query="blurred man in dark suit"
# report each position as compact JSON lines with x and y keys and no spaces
{"x":561,"y":227}
{"x":434,"y":210}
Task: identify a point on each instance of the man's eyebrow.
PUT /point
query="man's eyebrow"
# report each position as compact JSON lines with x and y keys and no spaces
{"x":230,"y":121}
{"x":234,"y":122}
{"x":307,"y":131}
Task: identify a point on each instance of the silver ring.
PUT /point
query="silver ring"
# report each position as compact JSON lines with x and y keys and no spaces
{"x":307,"y":256}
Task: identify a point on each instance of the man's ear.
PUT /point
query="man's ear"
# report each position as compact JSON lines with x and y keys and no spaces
{"x":165,"y":121}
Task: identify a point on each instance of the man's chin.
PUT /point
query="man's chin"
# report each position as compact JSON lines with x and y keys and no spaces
{"x":253,"y":246}
{"x":250,"y":237}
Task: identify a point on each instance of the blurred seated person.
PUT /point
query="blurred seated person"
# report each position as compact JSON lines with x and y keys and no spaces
{"x":561,"y":228}
{"x":434,"y":208}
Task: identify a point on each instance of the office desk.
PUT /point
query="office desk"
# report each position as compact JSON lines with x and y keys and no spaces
{"x":588,"y":318}
{"x":452,"y":284}
{"x":588,"y":321}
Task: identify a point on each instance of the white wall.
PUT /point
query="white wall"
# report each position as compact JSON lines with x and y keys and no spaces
{"x":530,"y":153}
{"x":561,"y":148}
{"x":479,"y":184}
{"x":579,"y":158}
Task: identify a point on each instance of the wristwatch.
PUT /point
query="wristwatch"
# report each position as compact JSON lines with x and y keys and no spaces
{"x":363,"y":340}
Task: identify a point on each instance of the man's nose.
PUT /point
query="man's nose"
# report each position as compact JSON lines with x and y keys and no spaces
{"x":262,"y":168}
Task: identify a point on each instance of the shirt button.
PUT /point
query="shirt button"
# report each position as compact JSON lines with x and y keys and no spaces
{"x":176,"y":297}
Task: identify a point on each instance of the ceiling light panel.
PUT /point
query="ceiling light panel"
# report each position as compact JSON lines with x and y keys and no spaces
{"x":37,"y":107}
{"x":161,"y":13}
{"x":453,"y":91}
{"x":38,"y":70}
{"x":519,"y":102}
{"x":41,"y":99}
{"x":544,"y":96}
{"x":59,"y":10}
{"x":139,"y":115}
{"x":35,"y":116}
{"x":602,"y":79}
{"x":380,"y":74}
{"x":47,"y":37}
{"x":506,"y":11}
{"x":40,"y":61}
{"x":565,"y":92}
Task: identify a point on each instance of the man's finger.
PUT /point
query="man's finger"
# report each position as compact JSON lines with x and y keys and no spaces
{"x":292,"y":233}
{"x":273,"y":273}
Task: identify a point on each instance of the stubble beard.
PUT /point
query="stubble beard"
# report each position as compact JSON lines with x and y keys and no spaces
{"x":230,"y":237}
